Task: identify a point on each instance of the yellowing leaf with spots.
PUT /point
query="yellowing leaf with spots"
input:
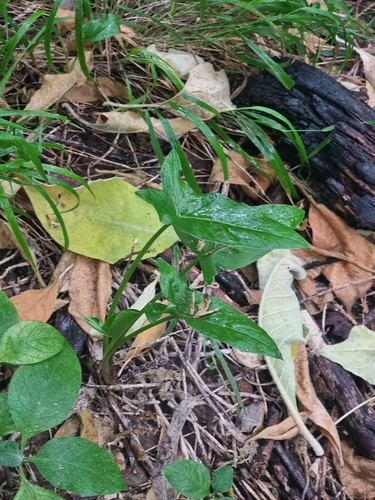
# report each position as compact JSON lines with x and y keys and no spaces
{"x":108,"y":224}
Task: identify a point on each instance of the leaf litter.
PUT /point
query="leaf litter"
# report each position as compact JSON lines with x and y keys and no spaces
{"x":87,"y":287}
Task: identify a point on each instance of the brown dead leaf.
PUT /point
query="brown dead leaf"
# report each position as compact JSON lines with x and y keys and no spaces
{"x":63,"y":270}
{"x":144,"y":340}
{"x":244,"y":174}
{"x":37,"y":305}
{"x":287,"y":429}
{"x":126,"y":33}
{"x":69,"y":428}
{"x":357,"y":474}
{"x":105,"y":430}
{"x":130,"y":122}
{"x":90,"y":288}
{"x":308,"y":399}
{"x":54,"y":87}
{"x":94,"y":91}
{"x":88,"y":430}
{"x":248,"y":359}
{"x":332,"y":237}
{"x":368,"y":61}
{"x":68,"y":25}
{"x":209,"y":86}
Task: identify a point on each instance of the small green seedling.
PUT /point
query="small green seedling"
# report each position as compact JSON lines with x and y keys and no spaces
{"x":41,"y":394}
{"x":192,"y":479}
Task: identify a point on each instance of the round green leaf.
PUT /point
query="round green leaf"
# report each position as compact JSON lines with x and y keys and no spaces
{"x":79,"y":466}
{"x":8,"y":314}
{"x":41,"y":395}
{"x":29,"y":491}
{"x":10,"y":454}
{"x":190,"y":478}
{"x":30,"y":342}
{"x":7,"y":426}
{"x":222,"y":480}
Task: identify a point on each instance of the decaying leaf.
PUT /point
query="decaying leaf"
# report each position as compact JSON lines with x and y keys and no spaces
{"x":308,"y":399}
{"x":182,"y":62}
{"x":209,"y":86}
{"x":69,"y":428}
{"x":245,"y":174}
{"x":357,"y":474}
{"x":356,"y":354}
{"x":63,"y":270}
{"x":332,"y":237}
{"x":107,"y":225}
{"x":37,"y":305}
{"x":287,"y":429}
{"x":90,"y":288}
{"x":130,"y":122}
{"x":67,"y":25}
{"x":280,"y":317}
{"x":126,"y":33}
{"x":94,"y":91}
{"x":54,"y":87}
{"x":368,"y":61}
{"x":88,"y":430}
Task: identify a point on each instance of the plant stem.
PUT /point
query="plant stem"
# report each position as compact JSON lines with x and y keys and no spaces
{"x":132,"y":268}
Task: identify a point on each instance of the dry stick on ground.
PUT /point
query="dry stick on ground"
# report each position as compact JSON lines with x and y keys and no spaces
{"x":210,"y":398}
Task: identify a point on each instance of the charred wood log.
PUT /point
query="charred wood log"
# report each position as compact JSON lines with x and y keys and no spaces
{"x":343,"y":172}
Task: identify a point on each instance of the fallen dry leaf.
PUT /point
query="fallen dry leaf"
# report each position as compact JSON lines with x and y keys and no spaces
{"x":126,"y":33}
{"x":332,"y":237}
{"x":368,"y":61}
{"x":37,"y":305}
{"x":63,"y":270}
{"x":88,"y":430}
{"x":182,"y":62}
{"x":54,"y":87}
{"x":243,"y":173}
{"x":90,"y":288}
{"x":357,"y":474}
{"x":287,"y":429}
{"x":67,"y":25}
{"x":145,"y":340}
{"x":209,"y":86}
{"x":130,"y":122}
{"x":69,"y":428}
{"x":308,"y":399}
{"x":94,"y":91}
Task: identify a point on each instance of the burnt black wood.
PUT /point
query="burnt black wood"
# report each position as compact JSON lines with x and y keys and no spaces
{"x":343,"y":173}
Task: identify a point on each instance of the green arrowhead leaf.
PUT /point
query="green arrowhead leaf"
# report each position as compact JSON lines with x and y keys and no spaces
{"x":215,"y":218}
{"x":100,"y":29}
{"x":7,"y":425}
{"x":8,"y":314}
{"x":29,"y":491}
{"x":40,"y":396}
{"x":220,"y":322}
{"x":30,"y":342}
{"x":189,"y":478}
{"x":222,"y":480}
{"x":107,"y":225}
{"x":10,"y":454}
{"x":79,"y":466}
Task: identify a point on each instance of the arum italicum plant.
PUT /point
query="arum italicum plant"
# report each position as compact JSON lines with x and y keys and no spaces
{"x":222,"y":233}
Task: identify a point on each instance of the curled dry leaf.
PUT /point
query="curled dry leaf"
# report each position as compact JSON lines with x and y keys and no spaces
{"x":308,"y":399}
{"x":357,"y":474}
{"x":332,"y":237}
{"x":287,"y":429}
{"x":63,"y":270}
{"x":182,"y":62}
{"x":245,"y":174}
{"x":90,"y":288}
{"x":130,"y":122}
{"x":126,"y":33}
{"x":209,"y":86}
{"x":54,"y":87}
{"x":37,"y":305}
{"x":145,"y":340}
{"x":94,"y":91}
